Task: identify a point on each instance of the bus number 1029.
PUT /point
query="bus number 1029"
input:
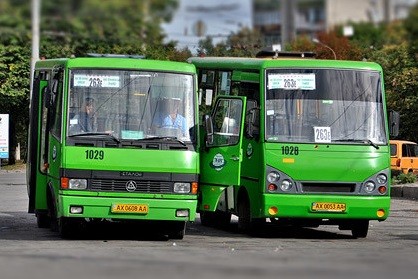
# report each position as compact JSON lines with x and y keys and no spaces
{"x":94,"y":154}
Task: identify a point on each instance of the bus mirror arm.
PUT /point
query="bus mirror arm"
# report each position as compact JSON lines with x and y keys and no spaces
{"x":394,"y":119}
{"x":251,"y":128}
{"x":209,"y":130}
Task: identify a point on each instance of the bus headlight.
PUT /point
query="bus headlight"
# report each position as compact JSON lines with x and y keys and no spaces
{"x":369,"y":186}
{"x":381,"y":178}
{"x":286,"y":185}
{"x":181,"y":187}
{"x":77,"y":184}
{"x":273,"y":177}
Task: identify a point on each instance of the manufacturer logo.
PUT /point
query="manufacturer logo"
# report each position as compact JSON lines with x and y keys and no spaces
{"x":131,"y":173}
{"x":130,"y":186}
{"x":218,"y":162}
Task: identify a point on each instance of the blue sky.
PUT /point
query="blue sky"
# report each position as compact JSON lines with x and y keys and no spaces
{"x":219,"y":18}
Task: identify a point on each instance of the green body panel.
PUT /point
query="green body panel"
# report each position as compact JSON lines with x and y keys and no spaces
{"x":299,"y":206}
{"x":210,"y":196}
{"x":333,"y":162}
{"x":126,"y":159}
{"x":161,"y":207}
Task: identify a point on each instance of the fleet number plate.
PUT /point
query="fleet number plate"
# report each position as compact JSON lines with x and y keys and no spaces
{"x":129,"y":208}
{"x":328,"y":207}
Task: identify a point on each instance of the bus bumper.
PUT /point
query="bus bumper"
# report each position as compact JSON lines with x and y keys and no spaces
{"x":348,"y":207}
{"x":101,"y":207}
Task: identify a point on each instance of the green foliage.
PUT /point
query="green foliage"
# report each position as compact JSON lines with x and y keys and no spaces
{"x":74,"y":27}
{"x":401,"y":86}
{"x":246,"y":42}
{"x":411,"y":27}
{"x":343,"y":48}
{"x":404,"y":178}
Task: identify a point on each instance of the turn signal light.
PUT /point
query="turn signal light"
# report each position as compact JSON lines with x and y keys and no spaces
{"x":273,"y":210}
{"x":64,"y":182}
{"x":380,"y":213}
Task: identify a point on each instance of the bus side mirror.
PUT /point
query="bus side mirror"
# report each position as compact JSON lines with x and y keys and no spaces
{"x":252,"y":123}
{"x":51,"y":93}
{"x":209,"y":130}
{"x":394,"y":118}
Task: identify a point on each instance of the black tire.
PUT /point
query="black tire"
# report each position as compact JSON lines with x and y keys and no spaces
{"x":218,"y":219}
{"x":178,"y":230}
{"x":70,"y":227}
{"x":43,"y":220}
{"x":244,"y":216}
{"x":360,"y":228}
{"x":207,"y":218}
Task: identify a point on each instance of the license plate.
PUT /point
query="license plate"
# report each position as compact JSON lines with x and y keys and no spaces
{"x":328,"y":207}
{"x":129,"y":208}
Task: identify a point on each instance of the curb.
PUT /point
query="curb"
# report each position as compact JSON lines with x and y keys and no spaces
{"x":406,"y":191}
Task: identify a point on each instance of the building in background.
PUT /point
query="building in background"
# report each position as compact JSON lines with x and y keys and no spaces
{"x":280,"y":21}
{"x":195,"y":20}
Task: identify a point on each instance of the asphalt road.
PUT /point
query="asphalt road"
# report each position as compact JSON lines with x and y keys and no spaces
{"x":108,"y":251}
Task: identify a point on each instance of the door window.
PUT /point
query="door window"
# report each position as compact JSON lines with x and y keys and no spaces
{"x":227,"y":122}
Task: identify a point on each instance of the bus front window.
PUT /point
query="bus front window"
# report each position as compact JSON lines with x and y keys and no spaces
{"x":131,"y":105}
{"x":324,"y":106}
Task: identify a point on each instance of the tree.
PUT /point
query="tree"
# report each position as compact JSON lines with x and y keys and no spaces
{"x":343,"y":48}
{"x":74,"y":27}
{"x":411,"y":28}
{"x":245,"y":42}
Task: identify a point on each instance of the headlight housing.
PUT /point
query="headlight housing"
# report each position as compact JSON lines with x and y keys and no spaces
{"x":369,"y":186}
{"x":381,"y":178}
{"x":77,"y":184}
{"x":273,"y":176}
{"x":181,"y":187}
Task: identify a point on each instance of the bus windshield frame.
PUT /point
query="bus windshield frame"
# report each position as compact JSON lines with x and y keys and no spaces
{"x":324,"y":105}
{"x":131,"y":104}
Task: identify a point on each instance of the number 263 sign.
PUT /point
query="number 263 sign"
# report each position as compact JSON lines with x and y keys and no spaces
{"x":322,"y":134}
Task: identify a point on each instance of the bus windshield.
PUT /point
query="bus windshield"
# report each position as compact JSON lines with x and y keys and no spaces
{"x":132,"y":105}
{"x":324,"y":106}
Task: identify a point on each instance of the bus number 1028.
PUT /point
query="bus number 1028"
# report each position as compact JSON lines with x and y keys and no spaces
{"x":290,"y":150}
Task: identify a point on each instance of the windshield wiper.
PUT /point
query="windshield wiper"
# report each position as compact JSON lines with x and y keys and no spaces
{"x":165,"y":138}
{"x":96,"y":134}
{"x":359,"y":140}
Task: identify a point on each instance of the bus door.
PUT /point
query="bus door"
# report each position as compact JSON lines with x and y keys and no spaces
{"x":36,"y":177}
{"x":221,"y":160}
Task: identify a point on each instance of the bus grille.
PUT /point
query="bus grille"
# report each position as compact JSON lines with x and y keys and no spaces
{"x":309,"y":187}
{"x":141,"y":186}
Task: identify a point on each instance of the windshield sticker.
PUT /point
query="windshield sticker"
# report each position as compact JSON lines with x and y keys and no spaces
{"x":322,"y":134}
{"x":292,"y":81}
{"x":270,"y":112}
{"x":96,"y":81}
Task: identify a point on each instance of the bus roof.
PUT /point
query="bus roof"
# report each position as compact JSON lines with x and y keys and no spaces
{"x":257,"y":64}
{"x":116,"y":63}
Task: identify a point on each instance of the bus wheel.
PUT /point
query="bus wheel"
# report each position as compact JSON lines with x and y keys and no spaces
{"x":177,"y":231}
{"x":360,"y":228}
{"x":43,"y":220}
{"x":69,"y":227}
{"x":244,"y":216}
{"x":215,"y":219}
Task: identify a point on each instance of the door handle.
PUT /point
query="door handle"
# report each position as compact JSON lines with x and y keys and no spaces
{"x":234,"y":158}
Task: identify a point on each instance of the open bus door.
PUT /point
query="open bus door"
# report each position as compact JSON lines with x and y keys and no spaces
{"x":221,"y":160}
{"x":36,"y":128}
